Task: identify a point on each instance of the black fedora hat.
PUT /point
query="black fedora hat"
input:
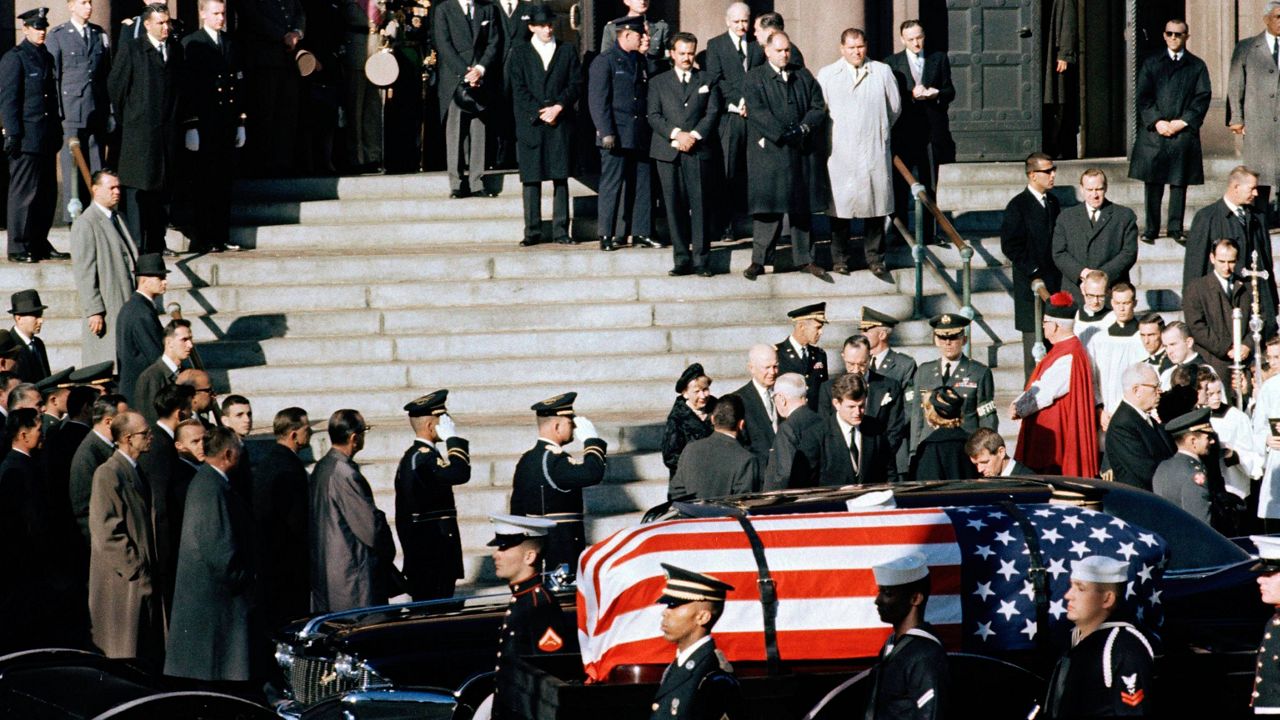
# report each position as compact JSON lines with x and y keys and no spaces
{"x":468,"y":98}
{"x":26,"y":302}
{"x":151,"y":264}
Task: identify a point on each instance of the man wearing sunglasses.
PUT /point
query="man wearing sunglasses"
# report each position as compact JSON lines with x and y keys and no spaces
{"x":1026,"y":238}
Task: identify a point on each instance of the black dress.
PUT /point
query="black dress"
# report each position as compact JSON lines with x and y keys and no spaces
{"x":683,"y":427}
{"x":940,"y":456}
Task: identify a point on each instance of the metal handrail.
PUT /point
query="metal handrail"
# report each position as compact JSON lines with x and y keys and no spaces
{"x":1041,"y":297}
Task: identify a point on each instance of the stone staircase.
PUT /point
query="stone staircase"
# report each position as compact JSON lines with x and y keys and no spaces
{"x":367,"y":292}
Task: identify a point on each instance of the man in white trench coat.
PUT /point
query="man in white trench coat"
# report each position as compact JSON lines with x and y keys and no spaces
{"x":863,"y":102}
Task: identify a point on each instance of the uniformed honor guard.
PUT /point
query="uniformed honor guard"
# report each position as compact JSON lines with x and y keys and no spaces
{"x":81,"y":53}
{"x":968,"y":377}
{"x":548,"y":481}
{"x":534,"y":624}
{"x":1182,"y":478}
{"x":699,"y":683}
{"x":1108,"y":669}
{"x":426,"y":517}
{"x":1266,"y":682}
{"x":878,"y":326}
{"x":617,"y":94}
{"x":32,"y":135}
{"x":215,"y":126}
{"x":800,"y":353}
{"x":911,"y":679}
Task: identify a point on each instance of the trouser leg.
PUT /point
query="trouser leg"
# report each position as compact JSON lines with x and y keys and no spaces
{"x":801,"y":247}
{"x":612,"y":169}
{"x":873,"y":240}
{"x":642,"y":200}
{"x":23,"y":186}
{"x":696,"y":172}
{"x":532,"y":196}
{"x":839,"y":241}
{"x":559,"y":209}
{"x":456,"y":129}
{"x":1154,"y":197}
{"x":674,"y":191}
{"x":764,"y":235}
{"x":1177,"y":208}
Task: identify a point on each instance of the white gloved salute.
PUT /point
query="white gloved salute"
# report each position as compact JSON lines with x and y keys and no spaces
{"x":240,"y":136}
{"x":192,"y":140}
{"x":446,"y":428}
{"x":586,"y":430}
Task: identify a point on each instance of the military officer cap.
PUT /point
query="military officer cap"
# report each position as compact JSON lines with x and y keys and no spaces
{"x":947,"y":403}
{"x":1268,"y":553}
{"x":26,"y":302}
{"x":151,"y":265}
{"x":541,"y":15}
{"x":1061,"y":306}
{"x":1194,"y":421}
{"x":429,"y":404}
{"x":948,"y":324}
{"x":59,"y":379}
{"x":1100,"y":569}
{"x":872,"y":318}
{"x":901,"y":571}
{"x":511,"y":530}
{"x":36,"y":18}
{"x":686,"y":586}
{"x":816,"y":311}
{"x":635,"y":23}
{"x":691,"y":373}
{"x":560,"y":405}
{"x":96,"y":374}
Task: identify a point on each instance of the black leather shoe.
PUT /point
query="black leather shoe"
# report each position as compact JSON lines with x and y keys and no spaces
{"x":564,"y":240}
{"x":607,"y":244}
{"x":753,"y":271}
{"x":645,"y":241}
{"x":55,"y":255}
{"x":1178,"y":238}
{"x":705,"y":273}
{"x":816,"y":271}
{"x":680,"y":271}
{"x":530,"y":241}
{"x":460,"y":193}
{"x":880,"y":271}
{"x":1148,"y":239}
{"x":23,"y":258}
{"x":840,"y":269}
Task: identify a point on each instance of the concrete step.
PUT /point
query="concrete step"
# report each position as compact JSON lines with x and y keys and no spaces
{"x":421,"y":186}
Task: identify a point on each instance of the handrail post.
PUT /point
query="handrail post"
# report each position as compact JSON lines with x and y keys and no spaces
{"x":1038,"y":350}
{"x":918,"y":252}
{"x":966,"y":288}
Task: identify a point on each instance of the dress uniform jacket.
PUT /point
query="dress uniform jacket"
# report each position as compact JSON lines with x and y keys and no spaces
{"x":351,"y":545}
{"x":1182,"y":480}
{"x":548,"y":483}
{"x":1135,"y":447}
{"x":210,"y":636}
{"x":1266,"y":681}
{"x":1216,"y":221}
{"x":102,"y":259}
{"x":32,"y":361}
{"x":1106,"y":674}
{"x":813,"y":366}
{"x":875,"y":460}
{"x":898,"y":366}
{"x":139,"y":341}
{"x":785,"y":178}
{"x":279,"y":501}
{"x":617,"y":94}
{"x":758,"y":431}
{"x":544,"y":151}
{"x":1026,"y":238}
{"x":29,"y":98}
{"x":81,"y":65}
{"x":426,"y":517}
{"x":145,"y":91}
{"x":796,"y":459}
{"x":912,"y":678}
{"x":971,"y":379}
{"x":534,"y":625}
{"x":1169,"y":90}
{"x":715,"y":466}
{"x":211,"y":88}
{"x":1109,"y":245}
{"x":703,"y":688}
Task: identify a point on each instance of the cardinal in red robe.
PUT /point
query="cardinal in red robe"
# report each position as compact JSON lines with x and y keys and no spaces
{"x":1059,"y":434}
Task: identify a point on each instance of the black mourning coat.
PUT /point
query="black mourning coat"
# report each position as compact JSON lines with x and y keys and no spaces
{"x":758,"y":432}
{"x":683,"y":427}
{"x":876,"y":461}
{"x":1217,"y":221}
{"x":145,"y":92}
{"x":461,"y":43}
{"x":1026,"y":238}
{"x":139,"y":341}
{"x":924,"y":121}
{"x":1169,"y":90}
{"x":279,"y":502}
{"x":785,"y":178}
{"x":796,"y":460}
{"x":544,"y":151}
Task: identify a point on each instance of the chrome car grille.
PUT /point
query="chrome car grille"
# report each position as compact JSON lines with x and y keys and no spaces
{"x":315,"y":679}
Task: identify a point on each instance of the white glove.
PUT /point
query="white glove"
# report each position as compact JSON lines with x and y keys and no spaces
{"x":192,"y":140}
{"x":445,"y":428}
{"x":240,"y":136}
{"x":586,"y":428}
{"x":111,"y":123}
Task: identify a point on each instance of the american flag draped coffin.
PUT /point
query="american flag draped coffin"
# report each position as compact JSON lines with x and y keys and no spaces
{"x":983,"y":585}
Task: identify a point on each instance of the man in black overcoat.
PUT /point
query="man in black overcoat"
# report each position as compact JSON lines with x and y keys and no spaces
{"x":426,"y":516}
{"x":468,"y":41}
{"x":796,"y":458}
{"x":1173,"y":96}
{"x":515,"y":17}
{"x":92,"y":452}
{"x":1207,"y":305}
{"x":885,"y":396}
{"x":139,"y":337}
{"x":728,"y":58}
{"x":269,"y":32}
{"x":786,"y":113}
{"x":31,"y":363}
{"x":279,"y":500}
{"x":545,"y":78}
{"x":1136,"y":443}
{"x":145,"y":84}
{"x":684,"y":107}
{"x":158,"y":466}
{"x":32,"y":135}
{"x":214,"y":114}
{"x":1097,"y":234}
{"x":1235,"y":217}
{"x":1026,"y":238}
{"x":856,"y":447}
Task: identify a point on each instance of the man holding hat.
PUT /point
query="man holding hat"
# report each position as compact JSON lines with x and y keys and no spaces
{"x":1266,"y":682}
{"x":1059,"y":434}
{"x":28,"y":318}
{"x":139,"y":336}
{"x":467,"y":39}
{"x":548,"y":481}
{"x":699,"y":683}
{"x":535,"y":624}
{"x":1108,"y":669}
{"x":1182,"y":479}
{"x":969,"y":378}
{"x":800,"y":353}
{"x":32,"y":135}
{"x":912,"y":679}
{"x":426,"y":517}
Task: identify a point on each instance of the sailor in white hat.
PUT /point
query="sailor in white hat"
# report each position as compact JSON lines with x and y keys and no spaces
{"x":911,"y":678}
{"x":1108,"y":669}
{"x":1266,"y":681}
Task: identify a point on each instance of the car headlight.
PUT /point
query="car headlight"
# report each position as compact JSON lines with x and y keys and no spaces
{"x":284,"y":656}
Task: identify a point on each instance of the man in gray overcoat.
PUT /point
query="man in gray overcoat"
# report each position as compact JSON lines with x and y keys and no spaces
{"x":124,"y":605}
{"x":210,"y":637}
{"x":1251,"y":98}
{"x":1173,"y":98}
{"x":102,"y":259}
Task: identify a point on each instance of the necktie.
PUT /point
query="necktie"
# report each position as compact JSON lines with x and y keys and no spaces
{"x":1093,"y":216}
{"x":946,"y":372}
{"x":854,"y":455}
{"x":742,"y":52}
{"x":1275,"y":51}
{"x":773,"y":410}
{"x":872,"y":365}
{"x":1242,"y":213}
{"x":1231,"y":287}
{"x":511,"y":8}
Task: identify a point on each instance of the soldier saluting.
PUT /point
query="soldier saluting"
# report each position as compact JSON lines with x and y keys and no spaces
{"x":548,"y":481}
{"x":426,"y":517}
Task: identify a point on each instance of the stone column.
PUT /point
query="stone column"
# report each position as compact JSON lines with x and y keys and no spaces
{"x":815,"y":26}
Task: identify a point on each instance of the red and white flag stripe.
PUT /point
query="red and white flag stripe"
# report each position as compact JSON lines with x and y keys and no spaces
{"x":821,"y":565}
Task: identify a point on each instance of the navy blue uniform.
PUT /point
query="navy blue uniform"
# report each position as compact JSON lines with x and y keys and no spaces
{"x":426,"y":517}
{"x":81,"y":63}
{"x":29,"y":112}
{"x":617,"y":93}
{"x":548,"y":483}
{"x":703,"y":688}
